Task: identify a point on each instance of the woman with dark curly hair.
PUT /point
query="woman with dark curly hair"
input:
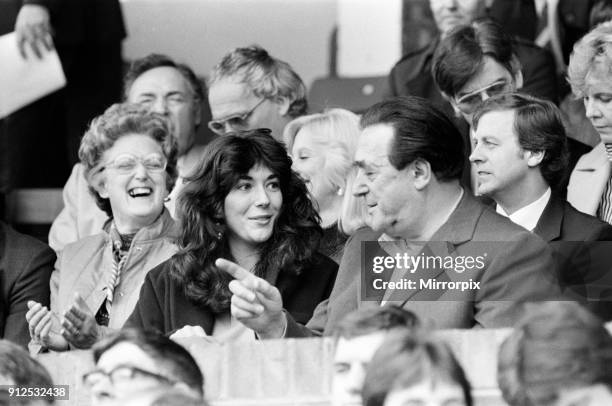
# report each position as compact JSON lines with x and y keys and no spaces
{"x":244,"y":204}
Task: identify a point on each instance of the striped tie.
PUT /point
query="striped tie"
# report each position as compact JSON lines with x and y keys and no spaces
{"x":604,"y":211}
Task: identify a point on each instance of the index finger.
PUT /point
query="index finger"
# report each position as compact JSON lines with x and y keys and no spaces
{"x":233,"y":269}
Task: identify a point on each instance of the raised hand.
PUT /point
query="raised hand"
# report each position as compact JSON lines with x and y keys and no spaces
{"x":255,"y":303}
{"x":45,"y":327}
{"x":79,"y":322}
{"x":33,"y":27}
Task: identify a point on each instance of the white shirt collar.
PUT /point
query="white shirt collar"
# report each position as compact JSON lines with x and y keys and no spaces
{"x":528,"y":216}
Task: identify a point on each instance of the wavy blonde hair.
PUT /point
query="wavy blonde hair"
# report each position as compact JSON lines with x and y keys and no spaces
{"x":336,"y":132}
{"x":591,"y":57}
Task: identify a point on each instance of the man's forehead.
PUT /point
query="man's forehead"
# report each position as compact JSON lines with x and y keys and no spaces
{"x":496,"y":123}
{"x":229,"y":97}
{"x":490,"y":72}
{"x":374,"y":142}
{"x":360,"y":348}
{"x":126,"y":353}
{"x":164,"y":79}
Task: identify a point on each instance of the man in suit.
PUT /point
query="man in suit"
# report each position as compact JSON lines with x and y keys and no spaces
{"x":475,"y":62}
{"x":412,"y":74}
{"x":25,"y":268}
{"x":410,"y":158}
{"x":519,"y":154}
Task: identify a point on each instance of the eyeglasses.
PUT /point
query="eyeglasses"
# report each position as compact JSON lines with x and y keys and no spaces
{"x":235,"y":121}
{"x":468,"y":103}
{"x":127,"y":163}
{"x":121,"y":373}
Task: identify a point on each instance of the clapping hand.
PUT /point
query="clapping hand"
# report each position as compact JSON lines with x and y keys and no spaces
{"x":44,"y":327}
{"x":80,"y":326}
{"x":255,"y":303}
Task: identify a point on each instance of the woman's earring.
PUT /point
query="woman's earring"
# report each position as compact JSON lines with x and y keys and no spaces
{"x":340,"y":192}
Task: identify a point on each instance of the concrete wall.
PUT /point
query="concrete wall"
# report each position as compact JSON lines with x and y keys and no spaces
{"x":200,"y":32}
{"x":284,"y":372}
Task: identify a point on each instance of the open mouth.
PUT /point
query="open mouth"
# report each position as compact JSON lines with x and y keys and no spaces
{"x":140,"y":192}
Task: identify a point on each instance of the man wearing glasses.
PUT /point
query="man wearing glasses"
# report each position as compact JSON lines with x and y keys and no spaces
{"x":412,"y":74}
{"x":132,"y":363}
{"x":475,"y":62}
{"x":162,"y":86}
{"x":250,"y":89}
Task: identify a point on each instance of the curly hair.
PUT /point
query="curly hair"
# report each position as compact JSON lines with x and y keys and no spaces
{"x":268,"y":77}
{"x":592,"y":56}
{"x":336,"y":132}
{"x":203,"y":239}
{"x":117,"y":121}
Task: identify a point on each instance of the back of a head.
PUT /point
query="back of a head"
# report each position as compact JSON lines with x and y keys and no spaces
{"x":18,"y":368}
{"x":461,"y":54}
{"x":406,"y":359}
{"x":267,"y":77}
{"x":371,"y":320}
{"x":170,"y":357}
{"x":555,"y":347}
{"x":538,"y":125}
{"x":422,"y":131}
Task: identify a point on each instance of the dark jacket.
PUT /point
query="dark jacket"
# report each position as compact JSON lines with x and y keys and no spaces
{"x":582,"y":249}
{"x":25,"y":268}
{"x":519,"y":267}
{"x":412,"y":74}
{"x":164,"y":307}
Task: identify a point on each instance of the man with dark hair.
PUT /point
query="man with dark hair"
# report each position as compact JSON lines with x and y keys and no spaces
{"x":18,"y":369}
{"x":251,"y":89}
{"x":165,"y":87}
{"x":409,"y":159}
{"x":477,"y":61}
{"x":134,"y":361}
{"x":412,"y":74}
{"x":358,"y":336}
{"x":519,"y":155}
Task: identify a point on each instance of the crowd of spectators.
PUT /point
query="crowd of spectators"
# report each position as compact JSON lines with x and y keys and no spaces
{"x":463,"y":200}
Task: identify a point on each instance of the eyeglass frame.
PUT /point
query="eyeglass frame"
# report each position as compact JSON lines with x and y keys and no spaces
{"x":109,"y":375}
{"x":242,"y":117}
{"x":473,"y":107}
{"x":111,"y":164}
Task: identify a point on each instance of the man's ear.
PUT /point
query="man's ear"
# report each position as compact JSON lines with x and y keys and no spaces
{"x":283,"y":104}
{"x":534,"y":158}
{"x":197,"y":112}
{"x":420,"y":171}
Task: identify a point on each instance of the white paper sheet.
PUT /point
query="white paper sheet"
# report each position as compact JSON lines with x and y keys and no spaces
{"x":23,"y":81}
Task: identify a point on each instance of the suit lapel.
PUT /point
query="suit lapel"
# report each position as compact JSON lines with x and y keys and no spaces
{"x":551,"y":220}
{"x":458,"y":229}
